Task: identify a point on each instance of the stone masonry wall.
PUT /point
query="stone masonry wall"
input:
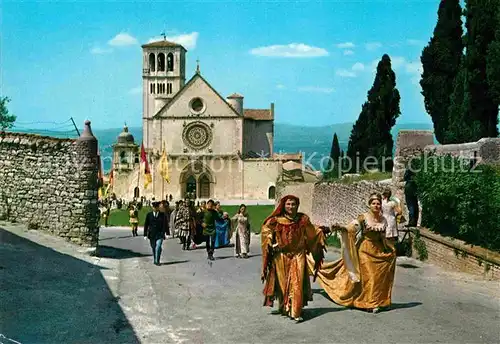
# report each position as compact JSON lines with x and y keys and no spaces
{"x":455,"y":255}
{"x":51,"y":184}
{"x":329,"y":203}
{"x":342,"y":203}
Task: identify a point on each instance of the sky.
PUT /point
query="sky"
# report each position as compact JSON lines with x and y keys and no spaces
{"x":314,"y":60}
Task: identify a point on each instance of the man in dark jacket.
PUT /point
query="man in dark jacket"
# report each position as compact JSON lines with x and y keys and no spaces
{"x":154,"y":230}
{"x":210,"y":215}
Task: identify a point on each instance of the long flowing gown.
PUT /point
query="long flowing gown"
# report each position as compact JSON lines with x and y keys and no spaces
{"x":364,"y":276}
{"x":241,"y":227}
{"x":285,"y":244}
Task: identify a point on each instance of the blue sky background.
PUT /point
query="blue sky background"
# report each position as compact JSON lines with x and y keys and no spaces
{"x":314,"y":60}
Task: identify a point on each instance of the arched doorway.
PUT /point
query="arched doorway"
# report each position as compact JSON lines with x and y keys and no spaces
{"x":136,"y":192}
{"x":191,"y":187}
{"x":204,"y":185}
{"x":271,"y":192}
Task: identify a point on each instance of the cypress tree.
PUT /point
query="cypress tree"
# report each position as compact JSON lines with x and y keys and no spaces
{"x":474,"y":112}
{"x":358,"y":140}
{"x":371,"y":134}
{"x":384,"y":99}
{"x":493,"y":63}
{"x":334,"y":161}
{"x":441,"y":63}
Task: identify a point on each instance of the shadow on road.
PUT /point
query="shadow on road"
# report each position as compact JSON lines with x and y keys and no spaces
{"x":408,"y":266}
{"x":311,"y":313}
{"x":104,"y":251}
{"x":404,"y":305}
{"x":50,"y":297}
{"x":174,"y":262}
{"x":119,"y":237}
{"x":392,"y":307}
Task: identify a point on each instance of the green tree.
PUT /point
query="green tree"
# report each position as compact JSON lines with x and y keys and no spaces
{"x":441,"y":63}
{"x":6,"y":120}
{"x":493,"y":63}
{"x":333,"y":166}
{"x":473,"y":110}
{"x":358,"y":140}
{"x":371,"y":134}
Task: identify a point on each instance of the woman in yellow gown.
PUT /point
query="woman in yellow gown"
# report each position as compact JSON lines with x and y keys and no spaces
{"x":364,"y":276}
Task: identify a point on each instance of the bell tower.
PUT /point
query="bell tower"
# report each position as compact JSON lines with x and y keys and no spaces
{"x":163,"y":74}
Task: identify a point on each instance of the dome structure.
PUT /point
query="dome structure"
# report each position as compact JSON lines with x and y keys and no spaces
{"x":125,"y":137}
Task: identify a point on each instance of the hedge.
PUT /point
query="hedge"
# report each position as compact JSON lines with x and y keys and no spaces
{"x":459,"y":201}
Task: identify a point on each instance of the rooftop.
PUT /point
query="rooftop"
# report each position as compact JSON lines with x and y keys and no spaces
{"x":258,"y":114}
{"x":162,"y":44}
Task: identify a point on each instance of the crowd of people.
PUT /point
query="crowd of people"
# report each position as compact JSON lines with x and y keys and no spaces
{"x":193,"y":225}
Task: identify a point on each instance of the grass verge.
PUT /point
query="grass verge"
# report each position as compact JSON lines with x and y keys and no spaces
{"x":257,"y":214}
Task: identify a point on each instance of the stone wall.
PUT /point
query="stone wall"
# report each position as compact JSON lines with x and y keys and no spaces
{"x":486,"y":150}
{"x":455,"y":255}
{"x":50,"y":184}
{"x":328,"y":203}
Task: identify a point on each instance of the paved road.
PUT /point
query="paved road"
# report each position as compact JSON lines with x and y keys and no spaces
{"x":189,"y":300}
{"x":52,"y":292}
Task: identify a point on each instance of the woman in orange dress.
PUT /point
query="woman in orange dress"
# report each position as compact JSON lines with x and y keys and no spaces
{"x":364,"y":276}
{"x":287,"y":237}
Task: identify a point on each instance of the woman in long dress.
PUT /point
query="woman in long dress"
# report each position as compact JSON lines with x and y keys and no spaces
{"x":241,"y":228}
{"x":364,"y":276}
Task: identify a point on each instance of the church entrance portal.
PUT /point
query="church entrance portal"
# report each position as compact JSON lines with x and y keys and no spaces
{"x":204,"y":183}
{"x":191,"y":187}
{"x":196,"y":182}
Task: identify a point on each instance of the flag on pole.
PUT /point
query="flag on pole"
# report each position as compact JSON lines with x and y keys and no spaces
{"x":147,"y":173}
{"x":100,"y":176}
{"x":164,"y":165}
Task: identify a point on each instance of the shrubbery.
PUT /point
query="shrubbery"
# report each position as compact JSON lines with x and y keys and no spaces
{"x":458,"y":201}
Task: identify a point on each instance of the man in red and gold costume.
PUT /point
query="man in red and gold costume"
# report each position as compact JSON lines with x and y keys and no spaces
{"x":287,"y":237}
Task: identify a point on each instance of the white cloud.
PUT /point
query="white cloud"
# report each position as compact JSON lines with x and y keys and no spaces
{"x":348,"y":52}
{"x":290,"y":50}
{"x":135,"y":90}
{"x":358,"y":66}
{"x":317,"y":89}
{"x":346,"y":45}
{"x":100,"y":51}
{"x":122,"y":39}
{"x":187,"y":40}
{"x":416,"y":42}
{"x":345,"y":73}
{"x":373,"y":46}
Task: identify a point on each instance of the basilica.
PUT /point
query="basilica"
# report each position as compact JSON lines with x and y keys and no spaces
{"x":216,"y":148}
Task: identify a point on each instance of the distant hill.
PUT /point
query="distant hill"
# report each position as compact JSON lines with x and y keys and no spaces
{"x":314,"y":142}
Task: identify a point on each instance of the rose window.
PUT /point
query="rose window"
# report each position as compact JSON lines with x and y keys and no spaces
{"x":197,"y":135}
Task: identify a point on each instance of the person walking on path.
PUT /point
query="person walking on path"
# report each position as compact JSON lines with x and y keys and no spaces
{"x":209,"y":218}
{"x":241,"y":227}
{"x":154,"y":230}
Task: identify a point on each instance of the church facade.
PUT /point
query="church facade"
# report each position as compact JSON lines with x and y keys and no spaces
{"x":216,"y":148}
